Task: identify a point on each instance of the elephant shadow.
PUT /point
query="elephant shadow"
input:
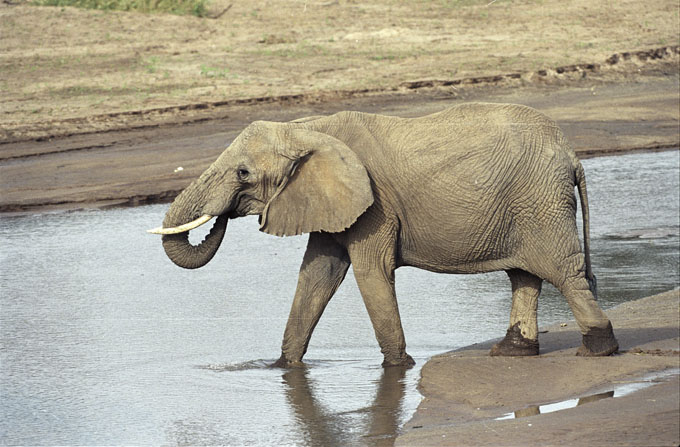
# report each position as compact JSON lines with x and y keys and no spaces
{"x":322,"y":427}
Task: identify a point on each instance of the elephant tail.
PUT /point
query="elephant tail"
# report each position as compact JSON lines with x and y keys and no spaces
{"x":580,"y":177}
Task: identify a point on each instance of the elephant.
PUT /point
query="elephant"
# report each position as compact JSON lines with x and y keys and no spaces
{"x":474,"y":188}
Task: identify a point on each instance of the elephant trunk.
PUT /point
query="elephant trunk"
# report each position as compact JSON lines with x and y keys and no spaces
{"x":188,"y":256}
{"x":177,"y":246}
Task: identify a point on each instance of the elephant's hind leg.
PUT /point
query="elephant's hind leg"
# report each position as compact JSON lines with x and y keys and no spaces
{"x":521,"y":338}
{"x":598,"y":335}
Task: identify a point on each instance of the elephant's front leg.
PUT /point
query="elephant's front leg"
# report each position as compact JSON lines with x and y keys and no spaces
{"x":373,"y":261}
{"x":323,"y":268}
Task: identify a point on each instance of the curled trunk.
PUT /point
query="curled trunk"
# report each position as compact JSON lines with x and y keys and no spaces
{"x":188,"y":256}
{"x":183,"y":210}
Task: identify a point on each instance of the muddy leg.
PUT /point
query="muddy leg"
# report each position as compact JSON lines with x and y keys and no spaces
{"x":522,"y":337}
{"x":598,"y":335}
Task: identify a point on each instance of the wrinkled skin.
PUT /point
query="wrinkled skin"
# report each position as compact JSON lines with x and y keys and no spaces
{"x":475,"y":188}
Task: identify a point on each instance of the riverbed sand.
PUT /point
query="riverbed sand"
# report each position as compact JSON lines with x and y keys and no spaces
{"x":466,"y":391}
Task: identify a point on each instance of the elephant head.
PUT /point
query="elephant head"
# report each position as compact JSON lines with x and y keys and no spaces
{"x":296,"y":179}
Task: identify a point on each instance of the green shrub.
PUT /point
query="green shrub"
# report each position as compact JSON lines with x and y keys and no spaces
{"x":180,"y":7}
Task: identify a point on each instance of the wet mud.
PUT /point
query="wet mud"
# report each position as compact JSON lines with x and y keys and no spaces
{"x":628,"y":399}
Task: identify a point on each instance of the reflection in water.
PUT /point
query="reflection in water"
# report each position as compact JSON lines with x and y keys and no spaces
{"x":325,"y":428}
{"x":387,"y":406}
{"x":595,"y":398}
{"x":318,"y":426}
{"x":619,"y":391}
{"x":526,"y":412}
{"x":534,"y":410}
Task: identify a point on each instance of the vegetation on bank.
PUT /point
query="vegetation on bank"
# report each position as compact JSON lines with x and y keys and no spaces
{"x":179,"y":7}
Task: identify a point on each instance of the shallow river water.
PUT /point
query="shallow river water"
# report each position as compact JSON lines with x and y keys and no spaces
{"x":104,"y":341}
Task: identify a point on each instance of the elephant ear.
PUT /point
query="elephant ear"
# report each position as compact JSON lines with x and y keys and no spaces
{"x":326,"y":188}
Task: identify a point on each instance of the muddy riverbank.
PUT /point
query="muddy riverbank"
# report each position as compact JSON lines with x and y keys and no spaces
{"x":152,"y":164}
{"x":466,"y":392}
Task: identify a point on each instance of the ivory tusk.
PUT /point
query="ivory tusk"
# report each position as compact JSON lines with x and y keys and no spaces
{"x":182,"y":228}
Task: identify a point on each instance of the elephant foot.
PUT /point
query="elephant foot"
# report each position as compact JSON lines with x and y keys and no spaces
{"x":515,"y":345}
{"x":404,"y":360}
{"x":599,"y":343}
{"x":284,"y":363}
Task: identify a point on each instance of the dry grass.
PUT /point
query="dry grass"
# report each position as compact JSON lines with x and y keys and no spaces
{"x":84,"y":62}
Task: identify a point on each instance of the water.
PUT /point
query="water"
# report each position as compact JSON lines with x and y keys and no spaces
{"x":619,"y":391}
{"x":104,"y":341}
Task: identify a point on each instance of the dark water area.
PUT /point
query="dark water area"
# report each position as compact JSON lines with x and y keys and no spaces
{"x":103,"y":341}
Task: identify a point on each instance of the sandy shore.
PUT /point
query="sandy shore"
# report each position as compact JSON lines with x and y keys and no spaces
{"x":465,"y":391}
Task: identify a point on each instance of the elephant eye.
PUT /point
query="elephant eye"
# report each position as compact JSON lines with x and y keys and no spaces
{"x":242,"y":174}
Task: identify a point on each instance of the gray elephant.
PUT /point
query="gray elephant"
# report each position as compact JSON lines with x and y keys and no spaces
{"x":474,"y":188}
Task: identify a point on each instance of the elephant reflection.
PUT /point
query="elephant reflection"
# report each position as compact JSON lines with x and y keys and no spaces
{"x":322,"y":427}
